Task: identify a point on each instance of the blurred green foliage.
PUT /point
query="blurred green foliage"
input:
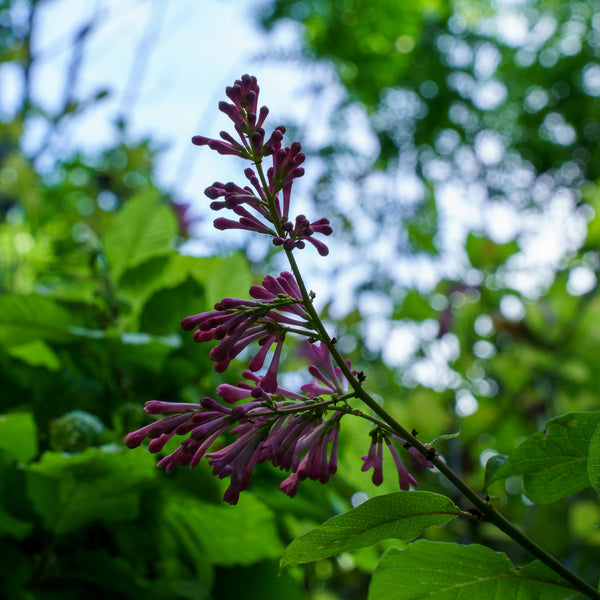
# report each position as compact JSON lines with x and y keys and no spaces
{"x":499,"y":99}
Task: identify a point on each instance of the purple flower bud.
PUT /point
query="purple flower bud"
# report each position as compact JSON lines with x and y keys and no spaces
{"x":157,"y":407}
{"x":200,"y":140}
{"x":289,"y":485}
{"x":374,"y":460}
{"x":231,"y":393}
{"x":262,"y":115}
{"x":404,"y":477}
{"x":216,"y":190}
{"x":237,"y":461}
{"x":179,"y":457}
{"x":322,"y":249}
{"x":233,"y":113}
{"x":269,"y":382}
{"x":156,"y":445}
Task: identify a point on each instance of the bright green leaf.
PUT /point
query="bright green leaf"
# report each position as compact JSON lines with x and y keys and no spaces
{"x":594,"y":460}
{"x":444,"y":437}
{"x":143,"y":229}
{"x":401,"y":515}
{"x":553,"y":462}
{"x":36,"y":353}
{"x":18,"y":436}
{"x":223,"y":277}
{"x":28,"y":317}
{"x":492,"y":465}
{"x":443,"y":571}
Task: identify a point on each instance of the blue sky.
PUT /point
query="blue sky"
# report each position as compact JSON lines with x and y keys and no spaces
{"x":166,"y":65}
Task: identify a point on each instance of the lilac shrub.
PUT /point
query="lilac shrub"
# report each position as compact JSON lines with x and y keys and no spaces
{"x":295,"y":431}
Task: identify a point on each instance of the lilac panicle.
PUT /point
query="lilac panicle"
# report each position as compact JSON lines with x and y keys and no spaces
{"x":268,"y":423}
{"x":270,"y":198}
{"x":271,"y":424}
{"x":246,"y":121}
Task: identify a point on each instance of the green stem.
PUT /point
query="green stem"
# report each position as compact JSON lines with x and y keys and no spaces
{"x":487,"y":510}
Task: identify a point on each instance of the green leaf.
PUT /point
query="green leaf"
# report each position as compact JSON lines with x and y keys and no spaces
{"x":28,"y":317}
{"x":553,"y":462}
{"x":114,"y":575}
{"x":401,"y":515}
{"x":487,"y":255}
{"x":145,"y":350}
{"x":223,"y":277}
{"x":443,"y":571}
{"x":443,"y":437}
{"x":415,"y":306}
{"x":143,"y":229}
{"x":13,"y":526}
{"x":163,"y":312}
{"x":18,"y":436}
{"x":229,"y":535}
{"x":71,"y":491}
{"x":15,"y":513}
{"x":492,"y":465}
{"x":140,"y":282}
{"x":594,"y":460}
{"x":36,"y":353}
{"x":17,"y":569}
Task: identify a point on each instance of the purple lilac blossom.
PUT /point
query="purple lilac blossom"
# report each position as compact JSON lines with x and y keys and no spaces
{"x":243,"y":390}
{"x":236,"y":323}
{"x":329,"y":379}
{"x":269,"y":423}
{"x":270,"y":198}
{"x":296,"y":442}
{"x":374,"y":460}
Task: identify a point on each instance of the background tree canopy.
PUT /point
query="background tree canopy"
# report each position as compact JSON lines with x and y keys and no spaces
{"x":460,"y":164}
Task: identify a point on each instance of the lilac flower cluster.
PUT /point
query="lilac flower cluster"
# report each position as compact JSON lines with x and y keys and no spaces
{"x":282,"y":427}
{"x":374,"y":459}
{"x":296,"y":432}
{"x":237,"y":323}
{"x":267,"y":198}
